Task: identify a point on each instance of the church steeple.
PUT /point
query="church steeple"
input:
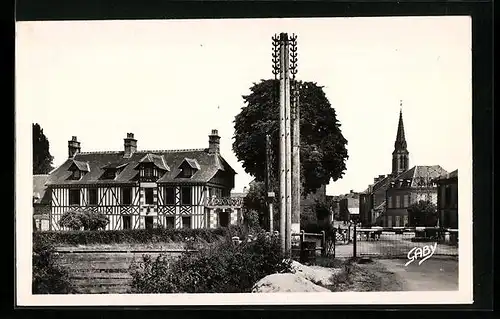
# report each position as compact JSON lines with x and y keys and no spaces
{"x":400,"y":158}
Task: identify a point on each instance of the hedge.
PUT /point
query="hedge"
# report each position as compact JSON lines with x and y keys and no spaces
{"x":225,"y":267}
{"x":134,"y":236}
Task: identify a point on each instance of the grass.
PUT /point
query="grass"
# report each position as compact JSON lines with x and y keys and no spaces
{"x":359,"y":277}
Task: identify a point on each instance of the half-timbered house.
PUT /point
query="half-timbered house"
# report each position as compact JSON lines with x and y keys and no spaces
{"x":146,"y":189}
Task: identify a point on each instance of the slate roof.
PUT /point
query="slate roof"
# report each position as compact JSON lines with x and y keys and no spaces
{"x":383,"y":183}
{"x":420,"y":175}
{"x":40,"y":194}
{"x":82,"y":166}
{"x":209,"y":164}
{"x":193,"y":163}
{"x":157,"y":160}
{"x":448,"y":176}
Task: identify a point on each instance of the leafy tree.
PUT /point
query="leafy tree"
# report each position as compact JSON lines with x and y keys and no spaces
{"x":423,"y":213}
{"x":323,"y":147}
{"x":42,"y":160}
{"x":76,"y":220}
{"x":255,"y":203}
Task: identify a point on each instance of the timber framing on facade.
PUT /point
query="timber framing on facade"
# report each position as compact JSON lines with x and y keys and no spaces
{"x":145,"y":189}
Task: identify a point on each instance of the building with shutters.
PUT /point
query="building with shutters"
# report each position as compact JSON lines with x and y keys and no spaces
{"x":385,"y":202}
{"x":146,"y":188}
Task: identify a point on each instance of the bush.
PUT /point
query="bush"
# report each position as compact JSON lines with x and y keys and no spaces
{"x":134,"y":236}
{"x":223,"y":268}
{"x":48,"y":276}
{"x":85,"y":219}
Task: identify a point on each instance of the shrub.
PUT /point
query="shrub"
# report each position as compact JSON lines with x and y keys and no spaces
{"x":48,"y":276}
{"x":225,"y":267}
{"x":88,"y":220}
{"x":134,"y":236}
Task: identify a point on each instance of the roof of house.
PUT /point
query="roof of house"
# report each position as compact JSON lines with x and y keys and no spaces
{"x":209,"y":164}
{"x":421,"y":175}
{"x":383,"y":183}
{"x":40,"y":194}
{"x":448,"y":176}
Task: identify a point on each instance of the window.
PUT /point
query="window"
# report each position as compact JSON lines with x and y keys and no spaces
{"x":127,"y":196}
{"x":74,"y":197}
{"x":186,"y":195}
{"x":148,"y":171}
{"x":170,"y":221}
{"x":126,"y":222}
{"x":398,"y":201}
{"x":406,"y":199}
{"x":148,"y":193}
{"x":186,"y":222}
{"x":170,"y":196}
{"x":76,"y":174}
{"x":389,"y":202}
{"x":109,"y":174}
{"x":92,"y":196}
{"x":398,"y":221}
{"x":187,"y":172}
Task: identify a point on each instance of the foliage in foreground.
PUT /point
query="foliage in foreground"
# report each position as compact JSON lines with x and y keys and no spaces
{"x":226,"y":267}
{"x":133,"y":236}
{"x":48,"y":276}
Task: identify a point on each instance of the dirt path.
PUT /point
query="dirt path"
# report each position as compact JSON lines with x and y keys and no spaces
{"x":435,"y":274}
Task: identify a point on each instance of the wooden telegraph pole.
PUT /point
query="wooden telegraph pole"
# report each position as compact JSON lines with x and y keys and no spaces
{"x":286,"y":172}
{"x":295,"y":221}
{"x":270,"y":193}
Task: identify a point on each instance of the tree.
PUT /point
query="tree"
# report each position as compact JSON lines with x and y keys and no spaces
{"x":323,"y":147}
{"x":42,"y":160}
{"x":422,"y":213}
{"x":255,"y":202}
{"x":76,"y":220}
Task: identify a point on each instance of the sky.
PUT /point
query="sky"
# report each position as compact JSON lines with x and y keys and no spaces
{"x":172,"y":82}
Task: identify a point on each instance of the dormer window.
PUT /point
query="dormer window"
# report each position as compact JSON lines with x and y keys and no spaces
{"x":188,"y":168}
{"x":112,"y":170}
{"x":151,"y":167}
{"x":78,"y":169}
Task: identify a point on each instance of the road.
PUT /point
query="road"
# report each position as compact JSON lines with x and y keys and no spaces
{"x":434,"y":274}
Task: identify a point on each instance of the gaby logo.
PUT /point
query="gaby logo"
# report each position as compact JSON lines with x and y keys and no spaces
{"x":424,"y":253}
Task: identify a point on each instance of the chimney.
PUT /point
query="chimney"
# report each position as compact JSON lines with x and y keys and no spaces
{"x":73,"y":147}
{"x":381,"y":177}
{"x":130,"y":145}
{"x":213,"y":142}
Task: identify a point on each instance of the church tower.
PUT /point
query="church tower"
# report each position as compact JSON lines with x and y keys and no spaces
{"x":400,"y":158}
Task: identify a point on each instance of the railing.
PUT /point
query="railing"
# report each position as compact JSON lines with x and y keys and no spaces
{"x":302,"y":248}
{"x":228,"y":202}
{"x":399,"y":241}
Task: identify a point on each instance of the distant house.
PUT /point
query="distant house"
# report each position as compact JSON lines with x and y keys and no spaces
{"x":41,"y":202}
{"x":349,"y":207}
{"x":447,"y":200}
{"x":145,"y":189}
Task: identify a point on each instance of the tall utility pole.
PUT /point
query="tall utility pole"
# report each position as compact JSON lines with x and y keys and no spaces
{"x":295,"y":219}
{"x":270,"y":193}
{"x":283,"y":44}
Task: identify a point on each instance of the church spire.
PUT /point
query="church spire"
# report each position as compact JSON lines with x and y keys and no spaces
{"x":400,"y":142}
{"x":400,"y":156}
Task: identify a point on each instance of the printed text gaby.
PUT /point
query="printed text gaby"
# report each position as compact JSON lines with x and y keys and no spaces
{"x":424,"y":253}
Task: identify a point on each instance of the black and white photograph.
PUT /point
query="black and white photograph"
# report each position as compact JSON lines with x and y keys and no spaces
{"x":244,"y":161}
